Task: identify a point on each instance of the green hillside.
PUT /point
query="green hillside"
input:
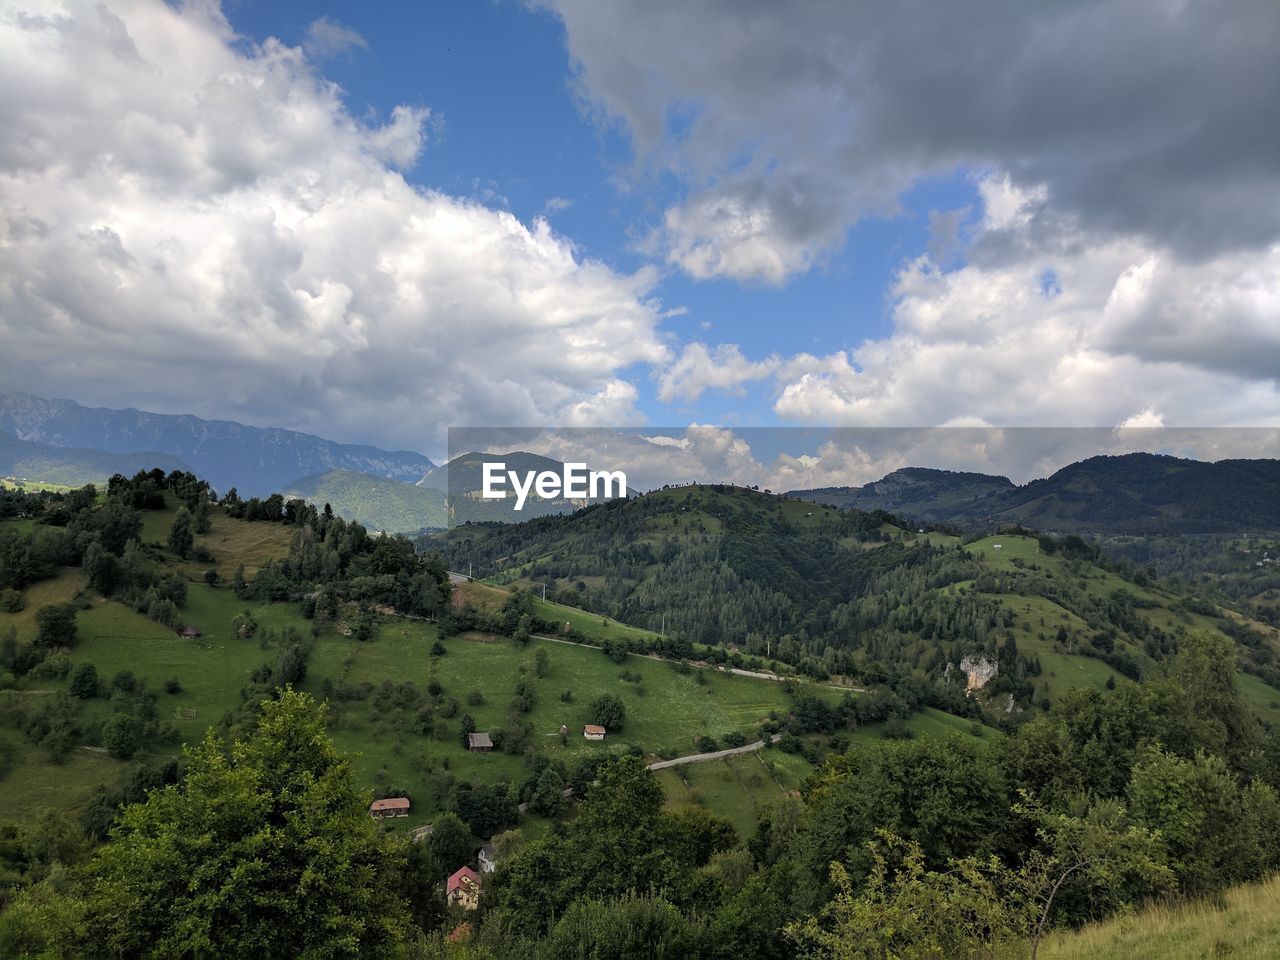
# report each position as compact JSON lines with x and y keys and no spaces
{"x":377,"y":689}
{"x":375,"y":502}
{"x":864,"y":596}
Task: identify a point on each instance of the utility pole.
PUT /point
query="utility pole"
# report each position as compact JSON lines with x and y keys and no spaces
{"x":663,"y":631}
{"x":544,"y":593}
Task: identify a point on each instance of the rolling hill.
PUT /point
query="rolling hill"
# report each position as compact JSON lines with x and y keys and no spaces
{"x":860,"y":594}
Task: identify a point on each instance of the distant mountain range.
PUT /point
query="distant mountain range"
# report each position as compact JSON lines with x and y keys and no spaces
{"x":256,"y":460}
{"x":1138,"y":493}
{"x":74,"y":466}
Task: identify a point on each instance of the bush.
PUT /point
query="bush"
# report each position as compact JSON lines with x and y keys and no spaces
{"x":84,"y":681}
{"x":121,"y":735}
{"x":608,"y":711}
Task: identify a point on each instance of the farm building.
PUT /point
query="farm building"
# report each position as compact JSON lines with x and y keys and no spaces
{"x":479,"y":742}
{"x":390,"y":807}
{"x":192,"y":633}
{"x":463,"y":889}
{"x":593,"y":732}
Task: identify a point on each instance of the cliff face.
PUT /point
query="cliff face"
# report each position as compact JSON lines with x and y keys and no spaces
{"x":978,"y":671}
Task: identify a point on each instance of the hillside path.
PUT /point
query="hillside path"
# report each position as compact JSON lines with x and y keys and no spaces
{"x":714,"y":755}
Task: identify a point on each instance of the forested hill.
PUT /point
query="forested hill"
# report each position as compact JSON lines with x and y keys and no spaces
{"x":859,"y":594}
{"x":1138,"y":493}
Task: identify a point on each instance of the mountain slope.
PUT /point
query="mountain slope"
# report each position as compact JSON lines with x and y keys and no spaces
{"x":74,"y":466}
{"x":856,"y":594}
{"x":256,"y":460}
{"x":375,"y":502}
{"x":1138,"y":493}
{"x":914,"y":491}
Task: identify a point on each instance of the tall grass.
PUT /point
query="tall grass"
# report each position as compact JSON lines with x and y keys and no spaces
{"x":1244,"y":924}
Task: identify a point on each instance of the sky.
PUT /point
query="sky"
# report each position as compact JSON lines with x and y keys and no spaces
{"x":377,"y":221}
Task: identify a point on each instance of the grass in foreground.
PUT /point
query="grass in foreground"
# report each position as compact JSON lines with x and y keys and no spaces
{"x":1244,"y":926}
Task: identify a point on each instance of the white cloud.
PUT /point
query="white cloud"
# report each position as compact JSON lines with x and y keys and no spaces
{"x":189,"y":221}
{"x":1123,"y":329}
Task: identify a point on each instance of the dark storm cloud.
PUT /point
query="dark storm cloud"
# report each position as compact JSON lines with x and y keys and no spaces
{"x":791,"y":121}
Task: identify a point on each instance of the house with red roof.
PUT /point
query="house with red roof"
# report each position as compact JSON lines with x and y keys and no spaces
{"x":390,"y":807}
{"x":463,"y":889}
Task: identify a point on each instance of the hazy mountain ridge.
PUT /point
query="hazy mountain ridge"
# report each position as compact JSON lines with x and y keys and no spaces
{"x":74,"y":466}
{"x":917,"y":488}
{"x":1135,"y":493}
{"x":256,"y":460}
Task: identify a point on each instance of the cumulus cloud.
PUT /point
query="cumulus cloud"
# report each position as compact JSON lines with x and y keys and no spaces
{"x":190,"y":221}
{"x":1047,"y":323}
{"x":790,"y":122}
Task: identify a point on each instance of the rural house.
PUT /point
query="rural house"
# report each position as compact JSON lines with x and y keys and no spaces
{"x":479,"y":742}
{"x":593,"y":732}
{"x":463,"y":889}
{"x":390,"y":807}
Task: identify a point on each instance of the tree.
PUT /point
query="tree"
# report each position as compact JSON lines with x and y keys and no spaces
{"x":907,"y":912}
{"x":548,"y":795}
{"x":450,"y":842}
{"x":56,"y":625}
{"x":632,"y":926}
{"x":84,"y":681}
{"x":281,"y":816}
{"x":608,"y":711}
{"x":181,"y":536}
{"x":121,"y":735}
{"x":1110,"y":858}
{"x":1195,"y":804}
{"x":292,"y":667}
{"x":524,"y":626}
